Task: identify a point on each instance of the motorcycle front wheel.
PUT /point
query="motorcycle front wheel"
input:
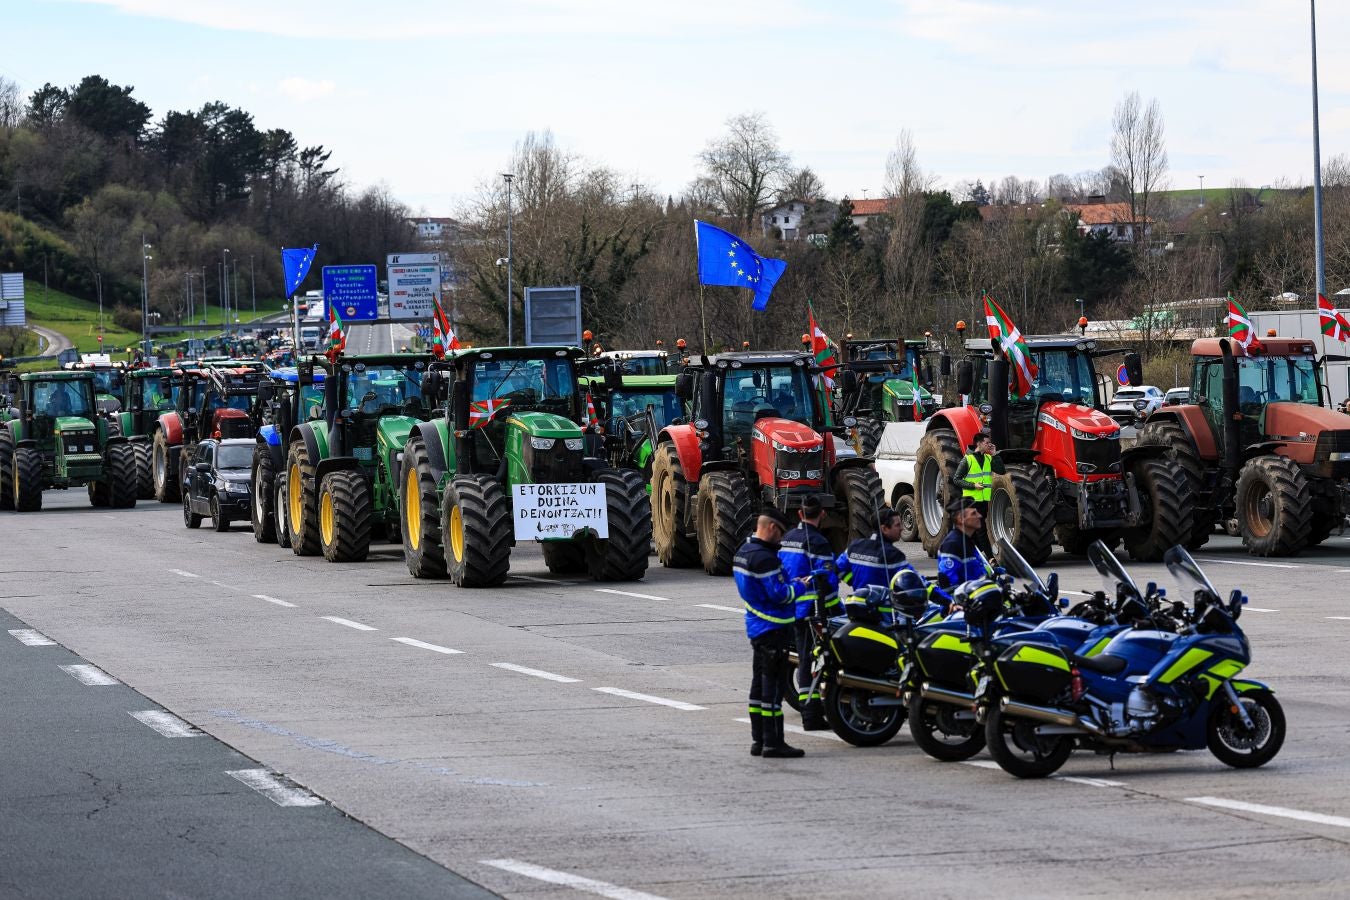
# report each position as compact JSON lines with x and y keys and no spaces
{"x":1236,"y":745}
{"x":857,"y":721}
{"x":1019,"y":751}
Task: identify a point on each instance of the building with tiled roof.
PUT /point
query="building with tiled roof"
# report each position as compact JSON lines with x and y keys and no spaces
{"x":1112,"y":218}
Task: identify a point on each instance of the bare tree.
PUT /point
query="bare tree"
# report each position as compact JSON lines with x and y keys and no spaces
{"x":908,"y":260}
{"x":803,"y":184}
{"x":747,"y":166}
{"x":11,"y":104}
{"x":1139,"y":152}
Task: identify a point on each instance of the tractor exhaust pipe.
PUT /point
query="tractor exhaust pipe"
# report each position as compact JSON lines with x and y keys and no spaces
{"x":942,"y":695}
{"x":998,"y":399}
{"x":1231,"y":451}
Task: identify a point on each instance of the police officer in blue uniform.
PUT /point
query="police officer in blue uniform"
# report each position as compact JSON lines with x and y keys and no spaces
{"x":875,"y":559}
{"x":806,"y":550}
{"x":959,"y":556}
{"x":770,"y":599}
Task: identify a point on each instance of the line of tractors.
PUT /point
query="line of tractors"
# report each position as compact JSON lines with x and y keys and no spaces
{"x":431,"y":453}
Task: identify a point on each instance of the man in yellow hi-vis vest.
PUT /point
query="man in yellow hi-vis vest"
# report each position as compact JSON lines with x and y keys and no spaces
{"x":974,"y":476}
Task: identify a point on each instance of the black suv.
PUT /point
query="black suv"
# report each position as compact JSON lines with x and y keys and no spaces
{"x":216,"y":484}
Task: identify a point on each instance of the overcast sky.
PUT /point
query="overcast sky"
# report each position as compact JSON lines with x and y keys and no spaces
{"x":429,"y":96}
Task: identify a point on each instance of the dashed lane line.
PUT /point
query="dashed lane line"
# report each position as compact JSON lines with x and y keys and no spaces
{"x":1076,"y":779}
{"x":273,"y":600}
{"x":90,"y":675}
{"x":1241,"y":562}
{"x":537,"y":673}
{"x":567,"y":879}
{"x":1258,"y":609}
{"x":1341,"y":618}
{"x":1280,"y":811}
{"x":165,"y":723}
{"x":797,"y":729}
{"x":631,"y":594}
{"x":184,"y":574}
{"x":648,"y":698}
{"x":275,"y":788}
{"x":730,"y":609}
{"x":349,"y":623}
{"x":413,"y":642}
{"x":31,"y":637}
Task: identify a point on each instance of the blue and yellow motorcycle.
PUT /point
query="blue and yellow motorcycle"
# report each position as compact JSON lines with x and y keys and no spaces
{"x":1148,"y":691}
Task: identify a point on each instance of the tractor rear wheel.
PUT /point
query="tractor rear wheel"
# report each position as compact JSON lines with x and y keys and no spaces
{"x":1328,"y":509}
{"x":119,"y":473}
{"x":565,"y":557}
{"x":934,"y":465}
{"x":672,"y":499}
{"x":725,"y":517}
{"x":263,"y":480}
{"x":420,"y":513}
{"x":145,"y":471}
{"x":1165,"y":494}
{"x":280,"y":500}
{"x":1022,"y":512}
{"x":858,"y":498}
{"x":28,"y":478}
{"x":623,"y":555}
{"x":1273,"y":507}
{"x":345,"y":511}
{"x":869,"y":435}
{"x":166,"y":486}
{"x":98,"y":494}
{"x":476,"y":523}
{"x":1185,"y":457}
{"x":6,"y":468}
{"x":302,"y":507}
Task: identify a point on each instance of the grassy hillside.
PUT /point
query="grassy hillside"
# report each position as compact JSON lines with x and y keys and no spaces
{"x":75,"y":318}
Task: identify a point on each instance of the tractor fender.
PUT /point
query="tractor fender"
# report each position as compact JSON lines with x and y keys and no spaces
{"x":274,"y":450}
{"x":685,"y":439}
{"x":172,"y":425}
{"x":269,"y":435}
{"x":964,"y":420}
{"x":119,"y":439}
{"x":1192,"y":421}
{"x":1141,"y":451}
{"x":853,"y":462}
{"x":26,"y":442}
{"x":1261,"y":448}
{"x":315,"y":440}
{"x":720,"y":465}
{"x":436,"y":438}
{"x":333,"y":464}
{"x":16,"y":429}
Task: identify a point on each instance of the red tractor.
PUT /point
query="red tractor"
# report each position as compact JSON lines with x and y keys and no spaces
{"x":214,"y":401}
{"x":757,"y":436}
{"x":1067,"y":480}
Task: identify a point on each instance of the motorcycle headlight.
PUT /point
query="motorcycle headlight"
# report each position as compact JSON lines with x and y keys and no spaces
{"x":1083,"y":435}
{"x":571,"y":443}
{"x":540,"y":443}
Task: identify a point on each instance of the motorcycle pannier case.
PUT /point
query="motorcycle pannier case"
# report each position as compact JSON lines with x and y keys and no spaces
{"x":1033,"y":672}
{"x":865,"y":649}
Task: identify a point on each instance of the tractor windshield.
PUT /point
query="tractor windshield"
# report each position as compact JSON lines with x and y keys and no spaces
{"x":540,"y":384}
{"x":643,"y":365}
{"x":108,"y":381}
{"x":665,"y":405}
{"x":383,"y":389}
{"x":311,"y":398}
{"x":1274,"y":379}
{"x":156,"y":393}
{"x":783,"y":391}
{"x":63,"y":398}
{"x":1064,"y":375}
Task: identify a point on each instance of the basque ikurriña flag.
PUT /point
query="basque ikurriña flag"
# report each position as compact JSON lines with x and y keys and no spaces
{"x":1333,"y":322}
{"x":337,"y":334}
{"x":480,"y":411}
{"x":822,"y":350}
{"x":1240,"y":327}
{"x":1005,"y":335}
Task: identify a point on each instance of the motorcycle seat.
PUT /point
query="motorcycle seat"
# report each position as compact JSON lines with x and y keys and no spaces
{"x":1106,"y":665}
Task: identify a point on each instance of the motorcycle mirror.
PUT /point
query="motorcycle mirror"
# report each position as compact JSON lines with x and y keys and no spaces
{"x":1063,"y":602}
{"x":1052,"y":587}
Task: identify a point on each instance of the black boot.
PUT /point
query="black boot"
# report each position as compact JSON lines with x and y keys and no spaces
{"x":813,"y":716}
{"x":774,"y":745}
{"x":756,"y":732}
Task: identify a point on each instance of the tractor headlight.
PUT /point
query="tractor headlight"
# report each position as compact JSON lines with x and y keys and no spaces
{"x":790,"y":474}
{"x":1338,"y":457}
{"x":541,"y":443}
{"x":1084,"y":435}
{"x":571,"y":443}
{"x":814,"y":474}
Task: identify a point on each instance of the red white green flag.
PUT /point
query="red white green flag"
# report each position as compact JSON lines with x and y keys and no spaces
{"x":1240,"y":326}
{"x":822,"y":350}
{"x":1005,"y":335}
{"x":442,"y":335}
{"x":480,"y":411}
{"x":337,"y":334}
{"x":589,"y":415}
{"x":1334,"y":324}
{"x":918,"y":406}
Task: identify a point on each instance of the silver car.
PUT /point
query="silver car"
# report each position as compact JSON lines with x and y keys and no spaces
{"x":1133,"y":404}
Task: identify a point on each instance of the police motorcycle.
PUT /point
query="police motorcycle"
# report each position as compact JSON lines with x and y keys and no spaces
{"x":1149,"y":690}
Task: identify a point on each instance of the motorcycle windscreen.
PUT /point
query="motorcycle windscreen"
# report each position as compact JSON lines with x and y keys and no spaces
{"x":1188,"y":573}
{"x":1114,"y":576}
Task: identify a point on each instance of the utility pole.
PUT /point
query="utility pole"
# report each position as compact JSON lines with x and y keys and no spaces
{"x":252,"y":286}
{"x":225,"y":291}
{"x":145,"y":296}
{"x":509,"y":302}
{"x":1317,"y":165}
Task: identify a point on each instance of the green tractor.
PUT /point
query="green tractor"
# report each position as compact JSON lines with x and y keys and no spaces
{"x":342,"y":469}
{"x":147,"y":394}
{"x":895,"y":384}
{"x":57,"y":440}
{"x":633,"y":410}
{"x":512,"y":460}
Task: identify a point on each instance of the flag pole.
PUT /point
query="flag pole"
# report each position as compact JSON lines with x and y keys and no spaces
{"x":703,"y":318}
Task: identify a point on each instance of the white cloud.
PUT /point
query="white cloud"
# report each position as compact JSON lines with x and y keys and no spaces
{"x":304,"y":90}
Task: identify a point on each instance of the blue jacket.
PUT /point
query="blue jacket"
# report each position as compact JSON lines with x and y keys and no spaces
{"x":959,"y":560}
{"x":805,"y":550}
{"x":770,"y":598}
{"x":869,"y":561}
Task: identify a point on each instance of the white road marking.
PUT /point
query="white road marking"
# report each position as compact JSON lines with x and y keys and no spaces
{"x":981,"y":763}
{"x":90,"y":675}
{"x":413,"y":642}
{"x":648,"y":698}
{"x":537,"y":673}
{"x":349,"y":623}
{"x":722,"y":608}
{"x":31,"y":637}
{"x":1239,"y":562}
{"x":567,"y":879}
{"x":1342,"y":618}
{"x":797,"y":729}
{"x":184,"y":574}
{"x":165,"y":723}
{"x":631,"y":594}
{"x":275,"y":788}
{"x":1257,"y":609}
{"x":1282,"y":812}
{"x":1091,"y":782}
{"x":272,"y":600}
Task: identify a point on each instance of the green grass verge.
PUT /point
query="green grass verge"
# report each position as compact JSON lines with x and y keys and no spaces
{"x":75,"y":318}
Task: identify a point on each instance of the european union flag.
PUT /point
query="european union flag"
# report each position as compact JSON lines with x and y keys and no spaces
{"x":727,"y":260}
{"x":296,"y":263}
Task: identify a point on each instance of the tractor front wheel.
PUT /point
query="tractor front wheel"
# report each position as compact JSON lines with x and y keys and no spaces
{"x":302,"y":508}
{"x":27,"y":479}
{"x":934,"y":465}
{"x":98,"y":494}
{"x":725,"y":517}
{"x":1165,"y":495}
{"x":264,"y":485}
{"x":869,"y":436}
{"x":476,"y":524}
{"x":1022,"y":512}
{"x":280,"y":499}
{"x":166,"y":486}
{"x":6,"y":468}
{"x":420,"y":503}
{"x":858,"y":499}
{"x":1274,"y":507}
{"x":672,"y":498}
{"x":345,"y":509}
{"x":119,"y":473}
{"x":623,"y":555}
{"x":145,"y":470}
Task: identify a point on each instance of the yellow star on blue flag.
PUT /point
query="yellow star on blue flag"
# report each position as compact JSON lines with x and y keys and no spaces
{"x":726,"y":260}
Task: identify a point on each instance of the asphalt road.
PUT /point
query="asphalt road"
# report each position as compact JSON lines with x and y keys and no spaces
{"x":555,"y":737}
{"x":384,"y":338}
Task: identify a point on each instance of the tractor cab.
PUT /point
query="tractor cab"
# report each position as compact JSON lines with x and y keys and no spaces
{"x":61,"y":406}
{"x":224,"y":407}
{"x":893,"y":376}
{"x":639,"y":362}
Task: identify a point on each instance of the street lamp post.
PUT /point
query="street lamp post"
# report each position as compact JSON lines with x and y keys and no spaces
{"x":252,"y":286}
{"x":145,"y":296}
{"x":1317,"y":167}
{"x":225,"y":291}
{"x":1202,"y":190}
{"x":509,"y":302}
